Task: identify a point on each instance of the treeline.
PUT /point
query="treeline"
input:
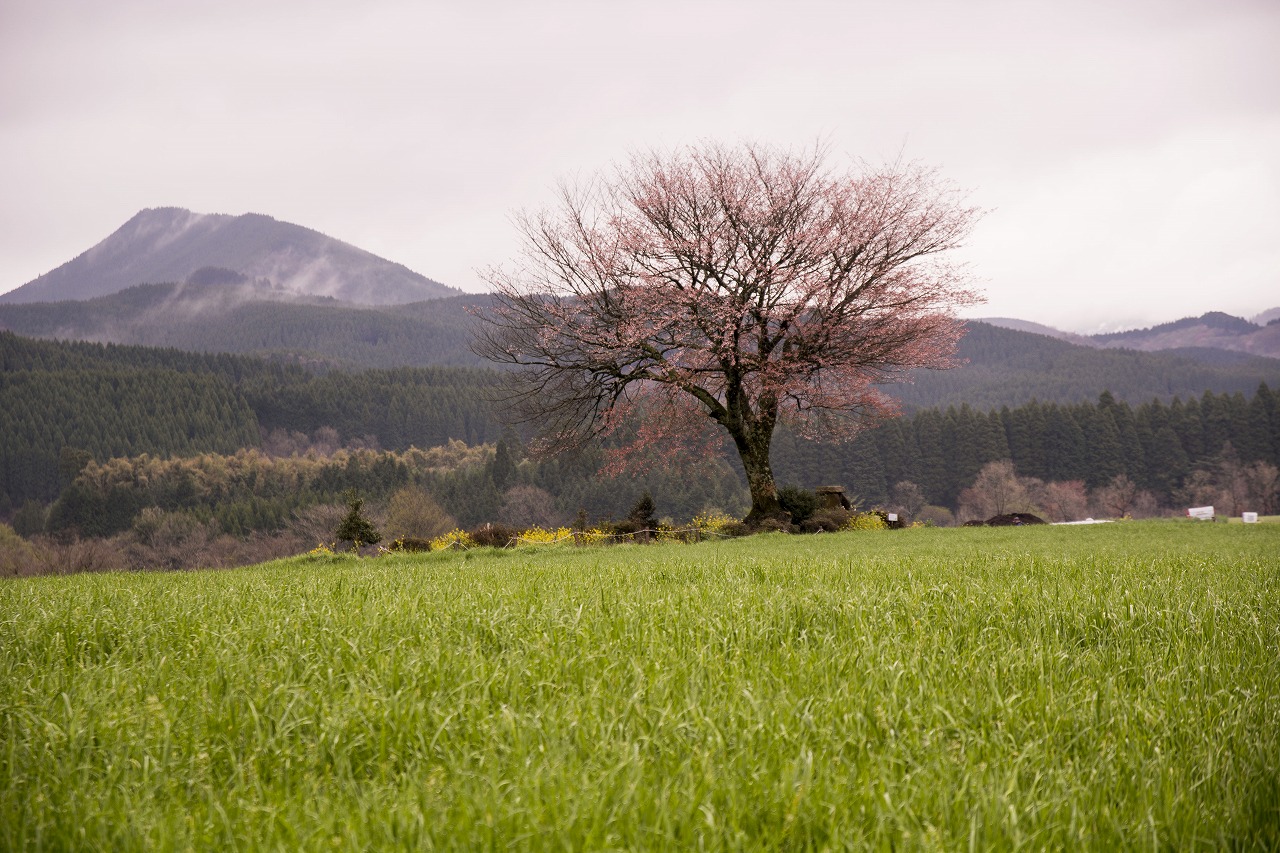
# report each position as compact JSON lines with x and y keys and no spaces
{"x":63,"y":403}
{"x":1163,"y":449}
{"x":1157,"y":445}
{"x":251,"y":492}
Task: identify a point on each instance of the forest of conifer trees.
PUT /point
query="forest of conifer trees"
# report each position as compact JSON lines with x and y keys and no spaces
{"x":96,"y":441}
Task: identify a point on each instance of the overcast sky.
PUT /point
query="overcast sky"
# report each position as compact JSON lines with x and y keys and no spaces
{"x":1128,"y":152}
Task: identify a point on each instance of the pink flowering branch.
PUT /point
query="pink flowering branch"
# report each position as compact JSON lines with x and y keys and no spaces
{"x":751,"y":285}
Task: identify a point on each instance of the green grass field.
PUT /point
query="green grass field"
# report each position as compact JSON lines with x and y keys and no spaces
{"x":1102,"y":687}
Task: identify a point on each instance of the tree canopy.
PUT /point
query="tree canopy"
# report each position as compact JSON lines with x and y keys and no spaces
{"x":742,"y":286}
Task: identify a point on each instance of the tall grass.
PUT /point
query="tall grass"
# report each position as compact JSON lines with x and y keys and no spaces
{"x":1113,"y":686}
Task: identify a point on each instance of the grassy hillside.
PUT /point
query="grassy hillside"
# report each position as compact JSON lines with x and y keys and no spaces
{"x":1063,"y":688}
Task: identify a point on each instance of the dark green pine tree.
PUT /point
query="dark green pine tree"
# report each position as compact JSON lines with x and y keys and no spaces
{"x":1187,"y":420}
{"x":644,"y":513}
{"x":897,"y":455}
{"x":1241,"y":436}
{"x":1215,"y":414}
{"x":1104,"y":454}
{"x":1025,"y":429}
{"x":960,"y":437}
{"x":993,"y":444}
{"x":865,"y":475}
{"x":932,"y":458}
{"x":503,"y":467}
{"x":1263,"y":441}
{"x":355,"y":528}
{"x":1126,"y":428}
{"x":1064,"y":449}
{"x":1167,"y":462}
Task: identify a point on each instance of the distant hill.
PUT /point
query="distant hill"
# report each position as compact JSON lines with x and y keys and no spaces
{"x":211,"y":313}
{"x":169,"y":244}
{"x":220,"y":311}
{"x":1035,"y":329}
{"x":1008,"y":368}
{"x":1212,"y":331}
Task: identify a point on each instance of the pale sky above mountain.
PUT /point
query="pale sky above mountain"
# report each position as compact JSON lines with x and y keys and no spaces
{"x":1128,"y":152}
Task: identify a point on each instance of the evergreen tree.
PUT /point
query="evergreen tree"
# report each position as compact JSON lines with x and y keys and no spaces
{"x":644,"y":513}
{"x":355,"y":528}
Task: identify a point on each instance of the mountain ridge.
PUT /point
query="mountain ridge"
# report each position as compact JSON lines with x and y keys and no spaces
{"x":168,"y":244}
{"x":1211,"y":330}
{"x":221,"y":311}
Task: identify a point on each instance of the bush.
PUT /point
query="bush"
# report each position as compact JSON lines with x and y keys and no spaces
{"x":936,"y":516}
{"x":410,"y":545}
{"x":453,"y":539}
{"x":413,"y":514}
{"x":30,"y":519}
{"x":868,"y":521}
{"x":493,"y":536}
{"x":543,"y":536}
{"x":826,"y":520}
{"x":355,"y":528}
{"x":801,"y":503}
{"x":17,"y":557}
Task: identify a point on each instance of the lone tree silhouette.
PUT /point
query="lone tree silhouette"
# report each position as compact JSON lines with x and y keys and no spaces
{"x":731,"y":286}
{"x":355,"y":528}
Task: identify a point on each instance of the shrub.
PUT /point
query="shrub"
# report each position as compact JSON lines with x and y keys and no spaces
{"x":801,"y":503}
{"x":493,"y":536}
{"x":936,"y":516}
{"x":626,"y":527}
{"x":412,"y":514}
{"x":355,"y":528}
{"x":827,"y":520}
{"x":410,"y":545}
{"x":453,"y":539}
{"x":765,"y":525}
{"x":867,"y":521}
{"x":542,"y":536}
{"x":17,"y":557}
{"x":712,"y":521}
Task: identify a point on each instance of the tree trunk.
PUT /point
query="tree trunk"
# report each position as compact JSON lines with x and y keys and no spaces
{"x":753,"y":448}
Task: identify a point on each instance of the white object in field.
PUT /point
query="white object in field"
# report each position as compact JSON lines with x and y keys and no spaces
{"x":893,"y":516}
{"x":1249,"y":517}
{"x":1203,"y":513}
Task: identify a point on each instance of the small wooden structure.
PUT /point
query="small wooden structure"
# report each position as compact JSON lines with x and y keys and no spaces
{"x":832,"y":497}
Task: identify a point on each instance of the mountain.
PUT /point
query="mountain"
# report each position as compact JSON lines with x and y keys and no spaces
{"x":1195,"y":337}
{"x":1035,"y":329}
{"x":1214,"y":330}
{"x":1006,"y":367}
{"x":221,"y":311}
{"x":215,"y":311}
{"x":169,"y":244}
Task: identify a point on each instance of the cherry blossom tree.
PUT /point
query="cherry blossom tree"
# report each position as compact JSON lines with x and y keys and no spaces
{"x":731,"y":287}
